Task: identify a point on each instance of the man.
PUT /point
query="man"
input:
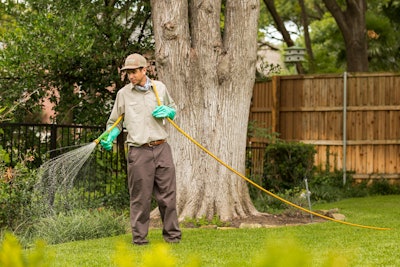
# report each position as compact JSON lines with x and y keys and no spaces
{"x":150,"y":164}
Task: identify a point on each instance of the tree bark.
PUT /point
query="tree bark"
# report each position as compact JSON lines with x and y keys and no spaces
{"x":210,"y":75}
{"x":352,"y":24}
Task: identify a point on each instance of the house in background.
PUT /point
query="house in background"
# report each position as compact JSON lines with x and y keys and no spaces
{"x":269,"y":60}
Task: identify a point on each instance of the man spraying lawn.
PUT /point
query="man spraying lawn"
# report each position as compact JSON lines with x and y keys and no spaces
{"x":150,"y":163}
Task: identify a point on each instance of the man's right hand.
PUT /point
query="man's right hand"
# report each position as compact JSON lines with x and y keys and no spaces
{"x":107,"y":141}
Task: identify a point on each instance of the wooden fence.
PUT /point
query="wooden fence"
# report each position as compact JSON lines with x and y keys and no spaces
{"x":352,"y":119}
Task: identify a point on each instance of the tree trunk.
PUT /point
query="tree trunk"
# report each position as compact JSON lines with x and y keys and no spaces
{"x":352,"y":24}
{"x":210,"y":75}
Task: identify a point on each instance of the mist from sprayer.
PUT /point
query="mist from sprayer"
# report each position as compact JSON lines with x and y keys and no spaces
{"x":56,"y":177}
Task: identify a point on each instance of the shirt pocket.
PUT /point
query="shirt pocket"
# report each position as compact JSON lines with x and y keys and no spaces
{"x":135,"y":111}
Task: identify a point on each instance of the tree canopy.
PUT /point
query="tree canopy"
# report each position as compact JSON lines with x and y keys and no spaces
{"x":72,"y":50}
{"x":327,"y":42}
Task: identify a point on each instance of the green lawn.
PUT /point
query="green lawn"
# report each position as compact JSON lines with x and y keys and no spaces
{"x":320,"y":244}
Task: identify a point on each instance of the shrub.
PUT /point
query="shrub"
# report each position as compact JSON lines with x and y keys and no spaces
{"x":16,"y":193}
{"x":203,"y":221}
{"x":328,"y":186}
{"x":383,"y":187}
{"x":269,"y":204}
{"x":287,"y":164}
{"x":11,"y":254}
{"x":80,"y":225}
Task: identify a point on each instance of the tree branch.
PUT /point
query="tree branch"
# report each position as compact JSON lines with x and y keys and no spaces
{"x":270,"y":4}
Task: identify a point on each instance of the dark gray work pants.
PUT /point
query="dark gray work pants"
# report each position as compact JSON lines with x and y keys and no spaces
{"x":152,"y":170}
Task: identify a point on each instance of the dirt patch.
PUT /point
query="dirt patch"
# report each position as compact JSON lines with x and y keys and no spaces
{"x":263,"y":220}
{"x":272,"y":220}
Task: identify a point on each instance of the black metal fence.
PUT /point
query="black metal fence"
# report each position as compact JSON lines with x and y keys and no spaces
{"x":103,"y":175}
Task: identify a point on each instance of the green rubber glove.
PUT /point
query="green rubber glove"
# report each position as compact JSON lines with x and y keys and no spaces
{"x":164,"y":111}
{"x":107,"y":141}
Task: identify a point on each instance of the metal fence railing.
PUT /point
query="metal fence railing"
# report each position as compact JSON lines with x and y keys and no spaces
{"x":103,"y":174}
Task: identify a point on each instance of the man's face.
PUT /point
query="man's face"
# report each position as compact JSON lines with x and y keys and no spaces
{"x":137,"y":76}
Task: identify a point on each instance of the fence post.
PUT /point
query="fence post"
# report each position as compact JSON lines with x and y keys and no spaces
{"x":344,"y":126}
{"x":276,"y":103}
{"x":53,"y":141}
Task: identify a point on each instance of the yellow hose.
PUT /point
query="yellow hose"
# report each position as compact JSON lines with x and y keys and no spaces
{"x":258,"y":186}
{"x":265,"y":190}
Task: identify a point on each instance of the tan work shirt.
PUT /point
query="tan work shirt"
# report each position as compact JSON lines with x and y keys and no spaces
{"x":137,"y":106}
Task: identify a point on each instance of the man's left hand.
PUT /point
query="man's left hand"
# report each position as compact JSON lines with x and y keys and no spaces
{"x":163,"y":112}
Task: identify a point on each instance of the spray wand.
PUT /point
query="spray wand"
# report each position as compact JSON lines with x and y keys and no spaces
{"x":97,"y":141}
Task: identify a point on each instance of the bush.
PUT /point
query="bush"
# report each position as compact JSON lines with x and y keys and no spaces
{"x":269,"y":204}
{"x":383,"y":187}
{"x":328,"y":186}
{"x":287,"y":164}
{"x":16,"y":193}
{"x":80,"y":225}
{"x":11,"y":254}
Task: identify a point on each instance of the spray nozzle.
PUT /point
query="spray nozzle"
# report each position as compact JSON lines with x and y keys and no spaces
{"x":97,"y":140}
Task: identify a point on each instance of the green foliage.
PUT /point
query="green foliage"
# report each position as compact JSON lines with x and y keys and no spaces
{"x":287,"y":164}
{"x":74,"y":46}
{"x":285,"y":253}
{"x":105,"y":186}
{"x":203,"y":221}
{"x":382,"y":187}
{"x":327,"y":41}
{"x":16,"y":192}
{"x":329,"y":53}
{"x":16,"y":195}
{"x":11,"y":254}
{"x":269,"y":204}
{"x":2,"y":115}
{"x":4,"y":157}
{"x":79,"y":225}
{"x":258,"y":130}
{"x":328,"y":186}
{"x":383,"y":45}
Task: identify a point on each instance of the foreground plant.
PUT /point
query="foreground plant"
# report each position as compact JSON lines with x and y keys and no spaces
{"x":11,"y":254}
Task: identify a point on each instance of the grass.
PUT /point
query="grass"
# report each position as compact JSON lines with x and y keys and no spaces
{"x":320,"y":244}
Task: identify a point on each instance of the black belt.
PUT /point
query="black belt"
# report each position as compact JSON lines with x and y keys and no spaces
{"x":154,"y":143}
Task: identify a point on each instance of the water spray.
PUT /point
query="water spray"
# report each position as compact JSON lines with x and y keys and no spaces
{"x":58,"y":174}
